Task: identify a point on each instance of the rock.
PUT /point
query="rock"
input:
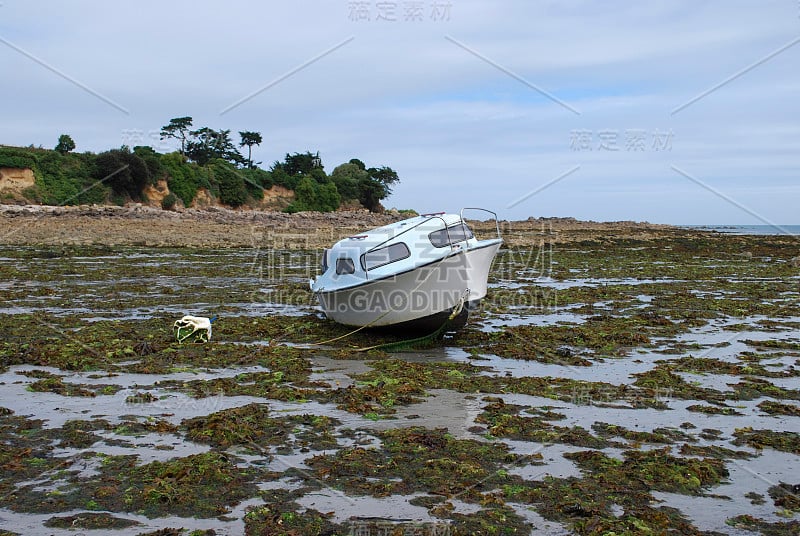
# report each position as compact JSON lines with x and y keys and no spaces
{"x":796,"y":261}
{"x":565,"y":351}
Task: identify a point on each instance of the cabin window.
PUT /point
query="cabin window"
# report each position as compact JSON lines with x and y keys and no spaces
{"x":456,"y":233}
{"x":383,"y":256}
{"x":344,"y":266}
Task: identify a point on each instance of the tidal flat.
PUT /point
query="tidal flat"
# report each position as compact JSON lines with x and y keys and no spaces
{"x":605,"y":386}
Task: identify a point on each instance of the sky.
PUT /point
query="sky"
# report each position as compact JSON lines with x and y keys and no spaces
{"x":676,"y":111}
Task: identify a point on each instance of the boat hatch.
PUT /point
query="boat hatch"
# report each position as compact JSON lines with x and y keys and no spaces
{"x":385,"y":255}
{"x":450,"y":235}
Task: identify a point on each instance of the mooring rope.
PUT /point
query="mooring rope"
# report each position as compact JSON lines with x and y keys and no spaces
{"x":425,"y":338}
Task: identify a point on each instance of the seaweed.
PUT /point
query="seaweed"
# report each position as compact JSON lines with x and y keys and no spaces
{"x":628,"y":299}
{"x":781,"y":528}
{"x":776,"y":408}
{"x":759,"y":439}
{"x":503,"y":422}
{"x":415,"y":460}
{"x":251,"y":426}
{"x":91,"y":521}
{"x":281,"y":518}
{"x":588,"y":504}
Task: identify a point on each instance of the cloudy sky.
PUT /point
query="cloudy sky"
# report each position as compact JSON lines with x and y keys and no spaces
{"x":678,"y":111}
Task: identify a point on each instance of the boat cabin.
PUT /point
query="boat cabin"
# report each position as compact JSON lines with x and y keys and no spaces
{"x":393,"y":249}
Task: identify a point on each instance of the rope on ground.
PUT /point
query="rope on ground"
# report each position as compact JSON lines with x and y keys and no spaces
{"x":409,"y":343}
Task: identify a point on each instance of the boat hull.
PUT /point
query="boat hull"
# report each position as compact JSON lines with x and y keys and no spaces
{"x":427,"y":292}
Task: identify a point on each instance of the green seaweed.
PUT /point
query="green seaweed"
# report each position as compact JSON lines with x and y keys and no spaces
{"x":588,"y":503}
{"x":90,"y":521}
{"x":759,"y":439}
{"x":503,"y":422}
{"x":781,"y":528}
{"x":415,"y":460}
{"x":776,"y":408}
{"x":251,"y":426}
{"x":280,"y":518}
{"x":640,"y":295}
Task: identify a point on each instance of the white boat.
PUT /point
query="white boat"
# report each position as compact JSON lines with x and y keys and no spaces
{"x":412,"y":273}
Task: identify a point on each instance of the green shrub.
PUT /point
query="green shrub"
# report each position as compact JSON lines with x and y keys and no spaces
{"x":256,"y":180}
{"x":311,"y":195}
{"x":281,"y":178}
{"x":69,"y":179}
{"x":230,"y":183}
{"x":168,"y":203}
{"x":184,"y":178}
{"x":119,"y":174}
{"x":347,"y":177}
{"x":152,"y":160}
{"x":328,"y":198}
{"x":305,"y":196}
{"x":60,"y":178}
{"x":125,"y":172}
{"x":11,"y":157}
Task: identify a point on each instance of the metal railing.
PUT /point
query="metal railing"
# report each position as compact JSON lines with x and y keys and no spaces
{"x":496,"y":222}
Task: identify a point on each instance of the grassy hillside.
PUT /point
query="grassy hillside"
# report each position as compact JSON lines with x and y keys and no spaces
{"x":121,"y":175}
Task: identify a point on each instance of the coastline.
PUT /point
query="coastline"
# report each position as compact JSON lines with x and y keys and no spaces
{"x":139,"y":225}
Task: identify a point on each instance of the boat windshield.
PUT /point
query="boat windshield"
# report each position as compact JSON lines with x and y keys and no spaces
{"x":451,"y":235}
{"x":385,"y":255}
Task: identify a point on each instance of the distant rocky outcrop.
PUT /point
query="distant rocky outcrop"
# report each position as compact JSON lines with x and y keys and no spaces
{"x":213,"y":226}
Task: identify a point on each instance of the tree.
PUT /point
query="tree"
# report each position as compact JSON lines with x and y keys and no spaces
{"x":384,"y":175}
{"x":249,"y":139}
{"x":328,"y":198}
{"x":370,"y":194}
{"x":305,"y":196}
{"x":377,"y":187}
{"x":124,"y":171}
{"x":208,"y":144}
{"x":200,"y":148}
{"x":347,"y":178}
{"x":358,"y":163}
{"x":65,"y":144}
{"x":299,"y":163}
{"x":177,"y":128}
{"x":369,"y":186}
{"x":152,"y":159}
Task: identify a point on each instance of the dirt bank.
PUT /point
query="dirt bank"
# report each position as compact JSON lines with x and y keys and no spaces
{"x":217,"y":227}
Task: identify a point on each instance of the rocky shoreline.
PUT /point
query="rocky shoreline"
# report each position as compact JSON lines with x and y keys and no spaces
{"x":139,"y":225}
